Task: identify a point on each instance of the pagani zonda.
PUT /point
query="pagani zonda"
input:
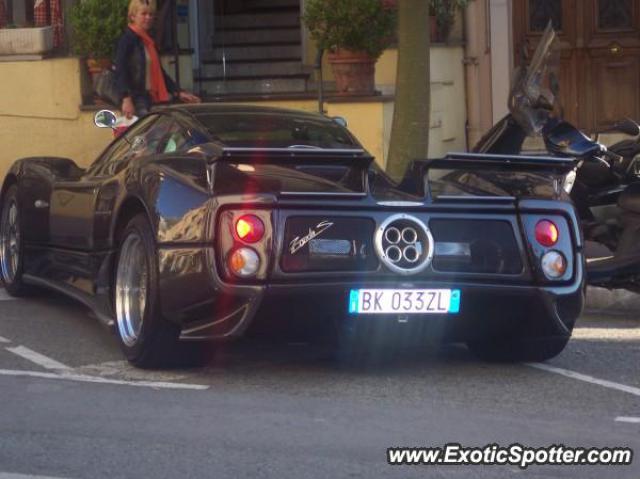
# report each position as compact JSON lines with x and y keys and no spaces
{"x":200,"y":217}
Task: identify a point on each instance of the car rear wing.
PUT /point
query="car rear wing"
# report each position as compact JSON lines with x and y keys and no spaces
{"x":511,"y":163}
{"x":487,"y":176}
{"x":298,"y":171}
{"x":300,"y":155}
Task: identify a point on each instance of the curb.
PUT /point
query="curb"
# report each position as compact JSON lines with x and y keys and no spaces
{"x":617,"y":301}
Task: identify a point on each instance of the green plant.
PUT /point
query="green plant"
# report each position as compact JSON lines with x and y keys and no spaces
{"x":97,"y":24}
{"x":445,"y":13}
{"x":359,"y":25}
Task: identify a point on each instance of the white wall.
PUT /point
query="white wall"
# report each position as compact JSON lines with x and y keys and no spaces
{"x":501,"y":55}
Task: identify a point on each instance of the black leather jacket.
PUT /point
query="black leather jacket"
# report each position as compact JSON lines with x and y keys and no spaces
{"x":130,"y":67}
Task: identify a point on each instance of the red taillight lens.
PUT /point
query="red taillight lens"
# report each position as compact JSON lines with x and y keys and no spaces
{"x":250,"y":228}
{"x":546,"y":233}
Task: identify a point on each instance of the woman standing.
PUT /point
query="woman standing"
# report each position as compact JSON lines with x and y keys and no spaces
{"x":140,"y":78}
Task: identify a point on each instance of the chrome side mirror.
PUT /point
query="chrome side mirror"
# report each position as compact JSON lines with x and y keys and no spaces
{"x":340,"y":121}
{"x":105,"y":119}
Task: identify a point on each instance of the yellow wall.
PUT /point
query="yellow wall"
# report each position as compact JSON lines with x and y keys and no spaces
{"x":448,"y":105}
{"x":40,"y":110}
{"x":39,"y":113}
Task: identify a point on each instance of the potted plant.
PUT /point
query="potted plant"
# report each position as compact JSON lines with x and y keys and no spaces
{"x":443,"y":14}
{"x":355,"y":33}
{"x":97,"y":25}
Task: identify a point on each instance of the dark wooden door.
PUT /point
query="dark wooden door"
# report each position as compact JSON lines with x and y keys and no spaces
{"x":600,"y":55}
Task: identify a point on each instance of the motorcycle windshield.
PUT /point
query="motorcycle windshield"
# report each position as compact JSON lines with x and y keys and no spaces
{"x":533,"y":96}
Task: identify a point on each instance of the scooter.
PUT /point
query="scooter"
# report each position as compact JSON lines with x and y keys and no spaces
{"x":605,"y":185}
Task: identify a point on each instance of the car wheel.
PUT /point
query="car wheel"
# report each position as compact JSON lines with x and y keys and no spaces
{"x":147,"y":339}
{"x":11,"y":247}
{"x":531,"y":350}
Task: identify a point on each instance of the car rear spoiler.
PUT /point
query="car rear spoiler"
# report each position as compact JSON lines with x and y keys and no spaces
{"x":482,"y":161}
{"x":301,"y":155}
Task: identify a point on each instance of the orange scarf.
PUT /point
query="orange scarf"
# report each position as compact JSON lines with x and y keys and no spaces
{"x":158,"y":89}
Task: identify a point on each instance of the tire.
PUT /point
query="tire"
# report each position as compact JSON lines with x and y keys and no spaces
{"x":147,"y":339}
{"x":11,"y":246}
{"x":532,"y":350}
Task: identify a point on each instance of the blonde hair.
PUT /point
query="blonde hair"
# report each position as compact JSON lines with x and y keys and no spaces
{"x":135,"y":5}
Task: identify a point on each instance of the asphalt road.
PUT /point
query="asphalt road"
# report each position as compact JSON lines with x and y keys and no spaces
{"x":72,"y":408}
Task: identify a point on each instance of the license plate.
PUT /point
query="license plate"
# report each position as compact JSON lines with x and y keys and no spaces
{"x":404,"y":301}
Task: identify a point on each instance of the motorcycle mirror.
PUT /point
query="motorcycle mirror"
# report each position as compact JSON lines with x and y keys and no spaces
{"x":626,"y":126}
{"x":104,"y":119}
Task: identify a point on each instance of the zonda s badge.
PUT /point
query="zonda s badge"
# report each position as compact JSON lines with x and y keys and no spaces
{"x":298,"y":242}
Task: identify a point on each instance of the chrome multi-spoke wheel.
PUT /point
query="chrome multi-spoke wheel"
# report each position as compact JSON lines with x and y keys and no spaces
{"x":11,"y":250}
{"x":10,"y":241}
{"x":132,"y":279}
{"x":146,"y":337}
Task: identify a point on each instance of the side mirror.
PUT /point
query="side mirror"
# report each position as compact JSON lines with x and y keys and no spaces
{"x":339,"y":120}
{"x":627,"y":126}
{"x":105,"y":119}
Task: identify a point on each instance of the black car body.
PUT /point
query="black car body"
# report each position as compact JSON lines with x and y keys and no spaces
{"x":151,"y":230}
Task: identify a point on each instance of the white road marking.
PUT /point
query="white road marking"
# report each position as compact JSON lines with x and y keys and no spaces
{"x":10,"y":475}
{"x":589,"y":379}
{"x":4,"y":340}
{"x":610,"y":334}
{"x":4,"y":296}
{"x":39,"y":359}
{"x":632,"y":420}
{"x":92,"y":379}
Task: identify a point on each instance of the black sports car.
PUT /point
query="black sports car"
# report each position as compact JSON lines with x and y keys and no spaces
{"x":200,"y":217}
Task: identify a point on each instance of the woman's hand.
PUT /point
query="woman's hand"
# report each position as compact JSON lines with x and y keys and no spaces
{"x":128,"y":109}
{"x":187,"y":97}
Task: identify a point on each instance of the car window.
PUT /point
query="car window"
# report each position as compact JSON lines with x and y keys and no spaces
{"x":120,"y":149}
{"x":277,"y":130}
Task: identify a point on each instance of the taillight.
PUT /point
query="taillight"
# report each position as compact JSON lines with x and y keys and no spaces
{"x":250,"y":228}
{"x":244,"y":262}
{"x":554,"y":264}
{"x":546,"y":233}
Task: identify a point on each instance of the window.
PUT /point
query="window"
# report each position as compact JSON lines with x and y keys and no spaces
{"x":541,"y":11}
{"x":614,"y":14}
{"x":276,"y":131}
{"x":121,"y":149}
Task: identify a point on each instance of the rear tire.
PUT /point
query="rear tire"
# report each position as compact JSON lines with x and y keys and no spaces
{"x":147,"y":339}
{"x":518,"y":350}
{"x":11,"y":245}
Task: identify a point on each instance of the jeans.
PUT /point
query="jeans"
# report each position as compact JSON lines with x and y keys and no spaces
{"x":142,"y":104}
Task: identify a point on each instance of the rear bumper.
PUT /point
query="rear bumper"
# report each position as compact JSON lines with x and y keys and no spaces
{"x":208,"y":308}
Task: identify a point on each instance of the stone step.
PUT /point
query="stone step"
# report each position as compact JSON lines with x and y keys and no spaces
{"x":242,"y":69}
{"x":256,"y":86}
{"x":239,"y":37}
{"x":254,"y":52}
{"x":261,"y":20}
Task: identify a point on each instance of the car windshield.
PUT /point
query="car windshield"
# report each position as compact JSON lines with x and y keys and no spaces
{"x":276,"y":131}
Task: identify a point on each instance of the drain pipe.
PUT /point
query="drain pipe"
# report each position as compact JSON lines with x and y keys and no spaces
{"x":318,"y":68}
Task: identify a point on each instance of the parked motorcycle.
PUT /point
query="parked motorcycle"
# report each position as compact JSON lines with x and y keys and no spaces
{"x":605,"y":186}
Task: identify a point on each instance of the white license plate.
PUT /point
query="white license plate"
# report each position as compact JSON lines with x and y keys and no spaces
{"x":404,"y":301}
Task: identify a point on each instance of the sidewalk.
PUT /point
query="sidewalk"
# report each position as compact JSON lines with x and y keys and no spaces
{"x":618,"y":301}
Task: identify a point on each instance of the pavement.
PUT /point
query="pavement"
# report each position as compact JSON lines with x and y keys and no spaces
{"x":72,"y":407}
{"x":617,"y":301}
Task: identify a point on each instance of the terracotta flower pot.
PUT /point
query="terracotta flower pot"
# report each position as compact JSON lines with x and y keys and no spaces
{"x":97,"y":65}
{"x":354,"y":72}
